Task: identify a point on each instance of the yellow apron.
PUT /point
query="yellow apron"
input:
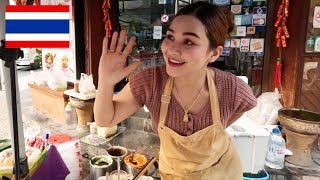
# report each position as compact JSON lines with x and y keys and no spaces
{"x":206,"y":154}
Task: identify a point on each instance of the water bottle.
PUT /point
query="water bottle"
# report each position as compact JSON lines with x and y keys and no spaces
{"x":276,"y":150}
{"x":70,"y":116}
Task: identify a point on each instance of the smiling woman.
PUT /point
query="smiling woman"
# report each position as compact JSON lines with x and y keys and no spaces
{"x":190,"y":103}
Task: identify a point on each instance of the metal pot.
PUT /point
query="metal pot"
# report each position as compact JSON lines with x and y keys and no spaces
{"x":98,"y":171}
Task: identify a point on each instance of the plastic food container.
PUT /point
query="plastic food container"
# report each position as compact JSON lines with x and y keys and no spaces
{"x":251,"y":143}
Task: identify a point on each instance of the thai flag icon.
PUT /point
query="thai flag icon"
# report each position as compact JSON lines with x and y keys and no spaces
{"x":37,"y":26}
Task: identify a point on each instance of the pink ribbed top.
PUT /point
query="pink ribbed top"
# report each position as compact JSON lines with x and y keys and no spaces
{"x":234,"y":96}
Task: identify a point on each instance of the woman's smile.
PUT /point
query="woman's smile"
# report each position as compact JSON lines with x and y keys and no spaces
{"x":175,"y":63}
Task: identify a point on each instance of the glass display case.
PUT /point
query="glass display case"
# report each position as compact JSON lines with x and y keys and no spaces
{"x":243,"y":54}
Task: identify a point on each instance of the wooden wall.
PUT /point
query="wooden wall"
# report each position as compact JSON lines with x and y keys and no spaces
{"x":308,"y":91}
{"x":94,"y":34}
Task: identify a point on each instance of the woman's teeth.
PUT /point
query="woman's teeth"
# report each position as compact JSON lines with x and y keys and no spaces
{"x":177,"y":62}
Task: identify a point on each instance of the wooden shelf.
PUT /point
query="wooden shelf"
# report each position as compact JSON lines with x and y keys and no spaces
{"x":311,"y":54}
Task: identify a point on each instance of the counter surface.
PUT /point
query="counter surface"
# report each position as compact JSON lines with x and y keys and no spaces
{"x":137,"y":135}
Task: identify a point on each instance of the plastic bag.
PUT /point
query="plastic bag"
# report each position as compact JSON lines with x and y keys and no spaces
{"x":57,"y":80}
{"x":70,"y":153}
{"x":86,"y":85}
{"x":40,"y":78}
{"x":266,"y":111}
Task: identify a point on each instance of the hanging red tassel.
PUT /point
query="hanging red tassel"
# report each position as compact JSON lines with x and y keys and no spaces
{"x":277,"y":80}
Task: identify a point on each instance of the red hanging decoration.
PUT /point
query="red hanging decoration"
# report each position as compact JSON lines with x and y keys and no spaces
{"x":286,"y":32}
{"x":281,"y":37}
{"x":106,"y":6}
{"x":281,"y":24}
{"x":279,"y":32}
{"x":279,"y":19}
{"x":283,"y":41}
{"x":286,"y":8}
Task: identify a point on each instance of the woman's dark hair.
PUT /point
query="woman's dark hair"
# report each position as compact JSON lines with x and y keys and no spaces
{"x":218,"y":21}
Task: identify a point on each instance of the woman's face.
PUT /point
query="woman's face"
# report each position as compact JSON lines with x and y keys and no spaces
{"x":186,"y":46}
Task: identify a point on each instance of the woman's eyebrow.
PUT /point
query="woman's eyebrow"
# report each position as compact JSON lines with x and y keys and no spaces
{"x":186,"y":33}
{"x":191,"y":34}
{"x":171,"y":30}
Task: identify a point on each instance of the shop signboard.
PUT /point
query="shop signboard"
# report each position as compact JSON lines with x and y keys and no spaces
{"x":316,"y":17}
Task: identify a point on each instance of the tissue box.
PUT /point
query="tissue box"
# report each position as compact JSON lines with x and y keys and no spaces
{"x":251,"y":143}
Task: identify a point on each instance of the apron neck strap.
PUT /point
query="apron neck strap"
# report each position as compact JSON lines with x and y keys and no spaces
{"x":165,"y":100}
{"x":214,"y":103}
{"x":166,"y":97}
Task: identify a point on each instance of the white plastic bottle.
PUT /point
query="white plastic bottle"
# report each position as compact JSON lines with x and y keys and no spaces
{"x":70,"y":116}
{"x":276,"y":150}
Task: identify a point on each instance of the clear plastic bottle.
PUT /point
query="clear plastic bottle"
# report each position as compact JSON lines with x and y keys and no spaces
{"x":70,"y":116}
{"x":276,"y":150}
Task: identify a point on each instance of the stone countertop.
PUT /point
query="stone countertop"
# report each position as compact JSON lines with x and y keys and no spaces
{"x":138,"y":135}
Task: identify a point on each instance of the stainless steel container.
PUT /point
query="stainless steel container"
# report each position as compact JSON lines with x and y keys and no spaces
{"x":117,"y":153}
{"x":97,"y":171}
{"x":134,"y":171}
